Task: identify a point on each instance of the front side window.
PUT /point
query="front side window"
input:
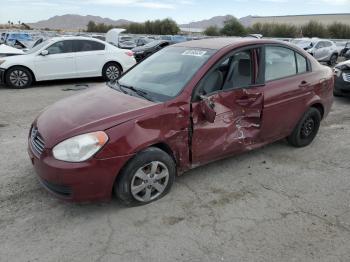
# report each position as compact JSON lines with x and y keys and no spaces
{"x":235,"y":71}
{"x":88,"y":46}
{"x":164,"y":74}
{"x":279,"y":63}
{"x":60,"y":47}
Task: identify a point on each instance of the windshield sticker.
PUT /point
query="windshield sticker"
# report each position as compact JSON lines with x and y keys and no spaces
{"x":194,"y":52}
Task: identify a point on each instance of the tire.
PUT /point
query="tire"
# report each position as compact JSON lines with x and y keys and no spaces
{"x":18,"y":77}
{"x":337,"y":93}
{"x":333,"y":60}
{"x":307,"y":128}
{"x":140,"y":183}
{"x":111,"y":71}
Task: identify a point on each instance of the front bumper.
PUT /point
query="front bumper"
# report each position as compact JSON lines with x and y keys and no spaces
{"x":79,"y":182}
{"x":341,"y":84}
{"x":2,"y":76}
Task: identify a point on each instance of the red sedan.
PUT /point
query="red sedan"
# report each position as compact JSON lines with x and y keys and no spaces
{"x":185,"y":106}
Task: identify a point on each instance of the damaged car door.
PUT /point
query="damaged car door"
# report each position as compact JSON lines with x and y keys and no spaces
{"x":233,"y":91}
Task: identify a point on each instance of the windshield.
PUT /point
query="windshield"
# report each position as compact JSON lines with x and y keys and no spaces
{"x":164,"y":74}
{"x":20,"y":37}
{"x":37,"y":47}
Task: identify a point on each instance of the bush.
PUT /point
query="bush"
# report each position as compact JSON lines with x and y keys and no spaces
{"x":311,"y":29}
{"x":339,"y":31}
{"x":314,"y":29}
{"x":212,"y":31}
{"x":274,"y":30}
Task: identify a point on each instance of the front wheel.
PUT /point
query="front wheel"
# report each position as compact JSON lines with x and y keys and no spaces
{"x":307,"y":128}
{"x":146,"y":178}
{"x":333,"y":60}
{"x":19,"y":77}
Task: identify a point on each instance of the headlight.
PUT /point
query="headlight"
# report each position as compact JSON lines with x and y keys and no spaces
{"x":337,"y":72}
{"x":80,"y":148}
{"x":342,"y":67}
{"x":2,"y":61}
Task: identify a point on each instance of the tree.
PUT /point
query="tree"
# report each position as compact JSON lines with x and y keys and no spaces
{"x":233,"y":27}
{"x":91,"y":26}
{"x":25,"y":26}
{"x":212,"y":31}
{"x":157,"y":27}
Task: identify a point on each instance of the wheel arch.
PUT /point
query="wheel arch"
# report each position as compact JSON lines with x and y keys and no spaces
{"x":26,"y":67}
{"x":110,"y":62}
{"x":320,"y":108}
{"x":159,"y":145}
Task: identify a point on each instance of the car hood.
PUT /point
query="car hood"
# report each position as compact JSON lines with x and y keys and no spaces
{"x":94,"y":110}
{"x":8,"y":50}
{"x":347,"y":62}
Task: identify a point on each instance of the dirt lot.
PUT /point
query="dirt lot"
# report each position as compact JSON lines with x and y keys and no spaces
{"x":274,"y":204}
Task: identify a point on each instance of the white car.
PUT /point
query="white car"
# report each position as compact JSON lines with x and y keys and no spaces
{"x":63,"y":58}
{"x":322,"y":49}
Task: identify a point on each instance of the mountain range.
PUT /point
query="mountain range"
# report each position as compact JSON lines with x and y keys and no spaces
{"x":75,"y":22}
{"x":79,"y":22}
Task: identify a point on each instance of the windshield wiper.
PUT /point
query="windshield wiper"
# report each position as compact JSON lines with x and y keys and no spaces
{"x":116,"y":86}
{"x":139,"y":92}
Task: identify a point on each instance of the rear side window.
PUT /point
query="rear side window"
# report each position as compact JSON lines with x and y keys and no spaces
{"x":279,"y":63}
{"x":301,"y":63}
{"x":61,"y":47}
{"x":88,"y":46}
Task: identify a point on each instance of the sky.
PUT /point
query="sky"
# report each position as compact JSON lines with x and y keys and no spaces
{"x":182,"y":11}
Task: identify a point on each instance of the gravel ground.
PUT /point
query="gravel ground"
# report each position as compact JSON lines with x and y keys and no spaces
{"x":277,"y":203}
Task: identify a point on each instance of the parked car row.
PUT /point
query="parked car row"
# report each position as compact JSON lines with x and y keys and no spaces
{"x":63,"y":58}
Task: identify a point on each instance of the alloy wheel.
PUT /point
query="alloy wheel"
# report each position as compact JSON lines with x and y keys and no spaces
{"x":150,"y":181}
{"x":308,"y":127}
{"x":19,"y":78}
{"x":112,"y":72}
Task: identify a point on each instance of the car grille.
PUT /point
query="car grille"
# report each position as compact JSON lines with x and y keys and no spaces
{"x":37,"y":141}
{"x":346,"y":77}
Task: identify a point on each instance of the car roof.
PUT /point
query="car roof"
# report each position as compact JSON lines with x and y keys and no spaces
{"x":220,"y":43}
{"x":58,"y":38}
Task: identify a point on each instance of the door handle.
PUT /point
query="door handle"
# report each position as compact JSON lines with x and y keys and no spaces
{"x":246,"y":100}
{"x":304,"y":84}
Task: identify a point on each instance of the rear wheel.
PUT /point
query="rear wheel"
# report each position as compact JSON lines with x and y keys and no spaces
{"x":307,"y":129}
{"x":111,"y":71}
{"x":146,"y":178}
{"x":19,"y":77}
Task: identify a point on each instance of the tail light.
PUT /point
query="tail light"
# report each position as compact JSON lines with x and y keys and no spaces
{"x":129,"y":53}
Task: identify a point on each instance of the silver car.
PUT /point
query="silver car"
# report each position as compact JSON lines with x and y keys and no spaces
{"x":323,"y":50}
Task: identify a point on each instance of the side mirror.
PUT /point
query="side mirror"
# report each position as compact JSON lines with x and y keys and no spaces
{"x":44,"y":52}
{"x":207,"y":108}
